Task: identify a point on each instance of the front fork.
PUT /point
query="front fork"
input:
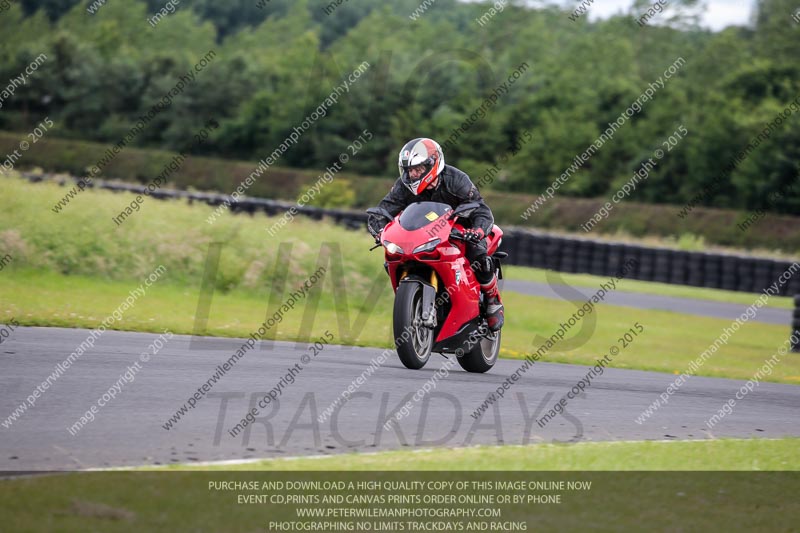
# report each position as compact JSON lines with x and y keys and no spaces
{"x":429,"y":290}
{"x":429,"y":303}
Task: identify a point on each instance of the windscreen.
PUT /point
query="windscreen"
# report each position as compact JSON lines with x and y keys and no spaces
{"x":421,"y":214}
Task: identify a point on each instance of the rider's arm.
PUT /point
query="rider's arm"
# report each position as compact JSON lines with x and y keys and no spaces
{"x":395,"y":201}
{"x":466,"y":191}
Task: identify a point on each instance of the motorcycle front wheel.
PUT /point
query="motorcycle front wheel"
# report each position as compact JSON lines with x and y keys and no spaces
{"x":414,"y":341}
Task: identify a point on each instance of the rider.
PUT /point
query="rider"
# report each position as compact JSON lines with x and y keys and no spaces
{"x":424,"y":177}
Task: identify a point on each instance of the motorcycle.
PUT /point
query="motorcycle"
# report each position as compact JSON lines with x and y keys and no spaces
{"x":438,"y":304}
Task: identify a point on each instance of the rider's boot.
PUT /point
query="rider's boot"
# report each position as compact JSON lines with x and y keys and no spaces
{"x":494,"y":307}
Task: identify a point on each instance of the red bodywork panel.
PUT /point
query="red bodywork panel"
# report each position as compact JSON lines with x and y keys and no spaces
{"x":447,"y":259}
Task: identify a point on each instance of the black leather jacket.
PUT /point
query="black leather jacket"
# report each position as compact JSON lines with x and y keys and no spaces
{"x":454,"y":188}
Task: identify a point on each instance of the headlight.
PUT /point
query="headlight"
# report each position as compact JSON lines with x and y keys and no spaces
{"x":392,"y":248}
{"x":430,"y":245}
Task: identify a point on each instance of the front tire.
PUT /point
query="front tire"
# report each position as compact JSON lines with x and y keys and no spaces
{"x":482,"y":355}
{"x":414,"y":341}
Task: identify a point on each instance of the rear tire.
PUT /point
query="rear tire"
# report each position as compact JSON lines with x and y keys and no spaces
{"x":414,"y":350}
{"x":483,"y":355}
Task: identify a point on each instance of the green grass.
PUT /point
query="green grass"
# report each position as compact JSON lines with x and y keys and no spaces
{"x":648,"y":287}
{"x":657,"y":491}
{"x":690,"y":455}
{"x":74,"y":268}
{"x":47,"y":299}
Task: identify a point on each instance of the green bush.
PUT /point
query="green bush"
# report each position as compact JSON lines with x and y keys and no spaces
{"x":337,"y":193}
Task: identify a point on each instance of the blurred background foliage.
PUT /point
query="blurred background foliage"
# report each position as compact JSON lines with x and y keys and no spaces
{"x":276,"y":63}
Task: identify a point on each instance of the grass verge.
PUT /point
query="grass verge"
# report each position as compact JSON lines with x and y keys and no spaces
{"x":649,"y":287}
{"x":738,"y":498}
{"x":686,"y":455}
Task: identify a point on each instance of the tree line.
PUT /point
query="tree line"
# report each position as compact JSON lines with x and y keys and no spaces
{"x":452,"y":69}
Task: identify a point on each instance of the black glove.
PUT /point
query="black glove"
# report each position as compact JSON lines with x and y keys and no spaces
{"x":485,"y":264}
{"x":375,"y":227}
{"x":473,"y":234}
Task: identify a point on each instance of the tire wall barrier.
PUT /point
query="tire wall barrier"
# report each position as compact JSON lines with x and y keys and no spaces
{"x":677,"y":267}
{"x":542,"y":250}
{"x":795,"y":336}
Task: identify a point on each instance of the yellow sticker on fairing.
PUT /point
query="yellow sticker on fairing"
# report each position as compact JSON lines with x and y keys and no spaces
{"x":431,"y":216}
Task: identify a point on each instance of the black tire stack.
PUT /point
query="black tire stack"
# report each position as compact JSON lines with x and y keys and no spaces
{"x":745,"y":274}
{"x":712,"y":271}
{"x":796,"y":324}
{"x":695,"y":269}
{"x":679,"y":270}
{"x":647,"y":263}
{"x":762,"y":274}
{"x":663,"y":266}
{"x":614,"y":258}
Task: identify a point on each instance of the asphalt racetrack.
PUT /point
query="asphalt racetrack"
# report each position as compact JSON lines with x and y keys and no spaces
{"x":689,"y":306}
{"x":129,"y":430}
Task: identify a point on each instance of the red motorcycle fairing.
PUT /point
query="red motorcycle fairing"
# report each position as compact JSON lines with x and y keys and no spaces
{"x":445,"y":259}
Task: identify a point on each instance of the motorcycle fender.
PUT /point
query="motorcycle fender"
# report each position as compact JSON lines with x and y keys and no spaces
{"x":428,"y":300}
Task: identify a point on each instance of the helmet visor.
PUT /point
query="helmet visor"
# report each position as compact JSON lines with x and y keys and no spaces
{"x":412,"y":184}
{"x":414,"y":176}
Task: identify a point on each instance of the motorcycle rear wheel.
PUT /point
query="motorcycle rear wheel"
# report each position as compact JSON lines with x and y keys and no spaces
{"x":413,"y":347}
{"x":483,"y":355}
